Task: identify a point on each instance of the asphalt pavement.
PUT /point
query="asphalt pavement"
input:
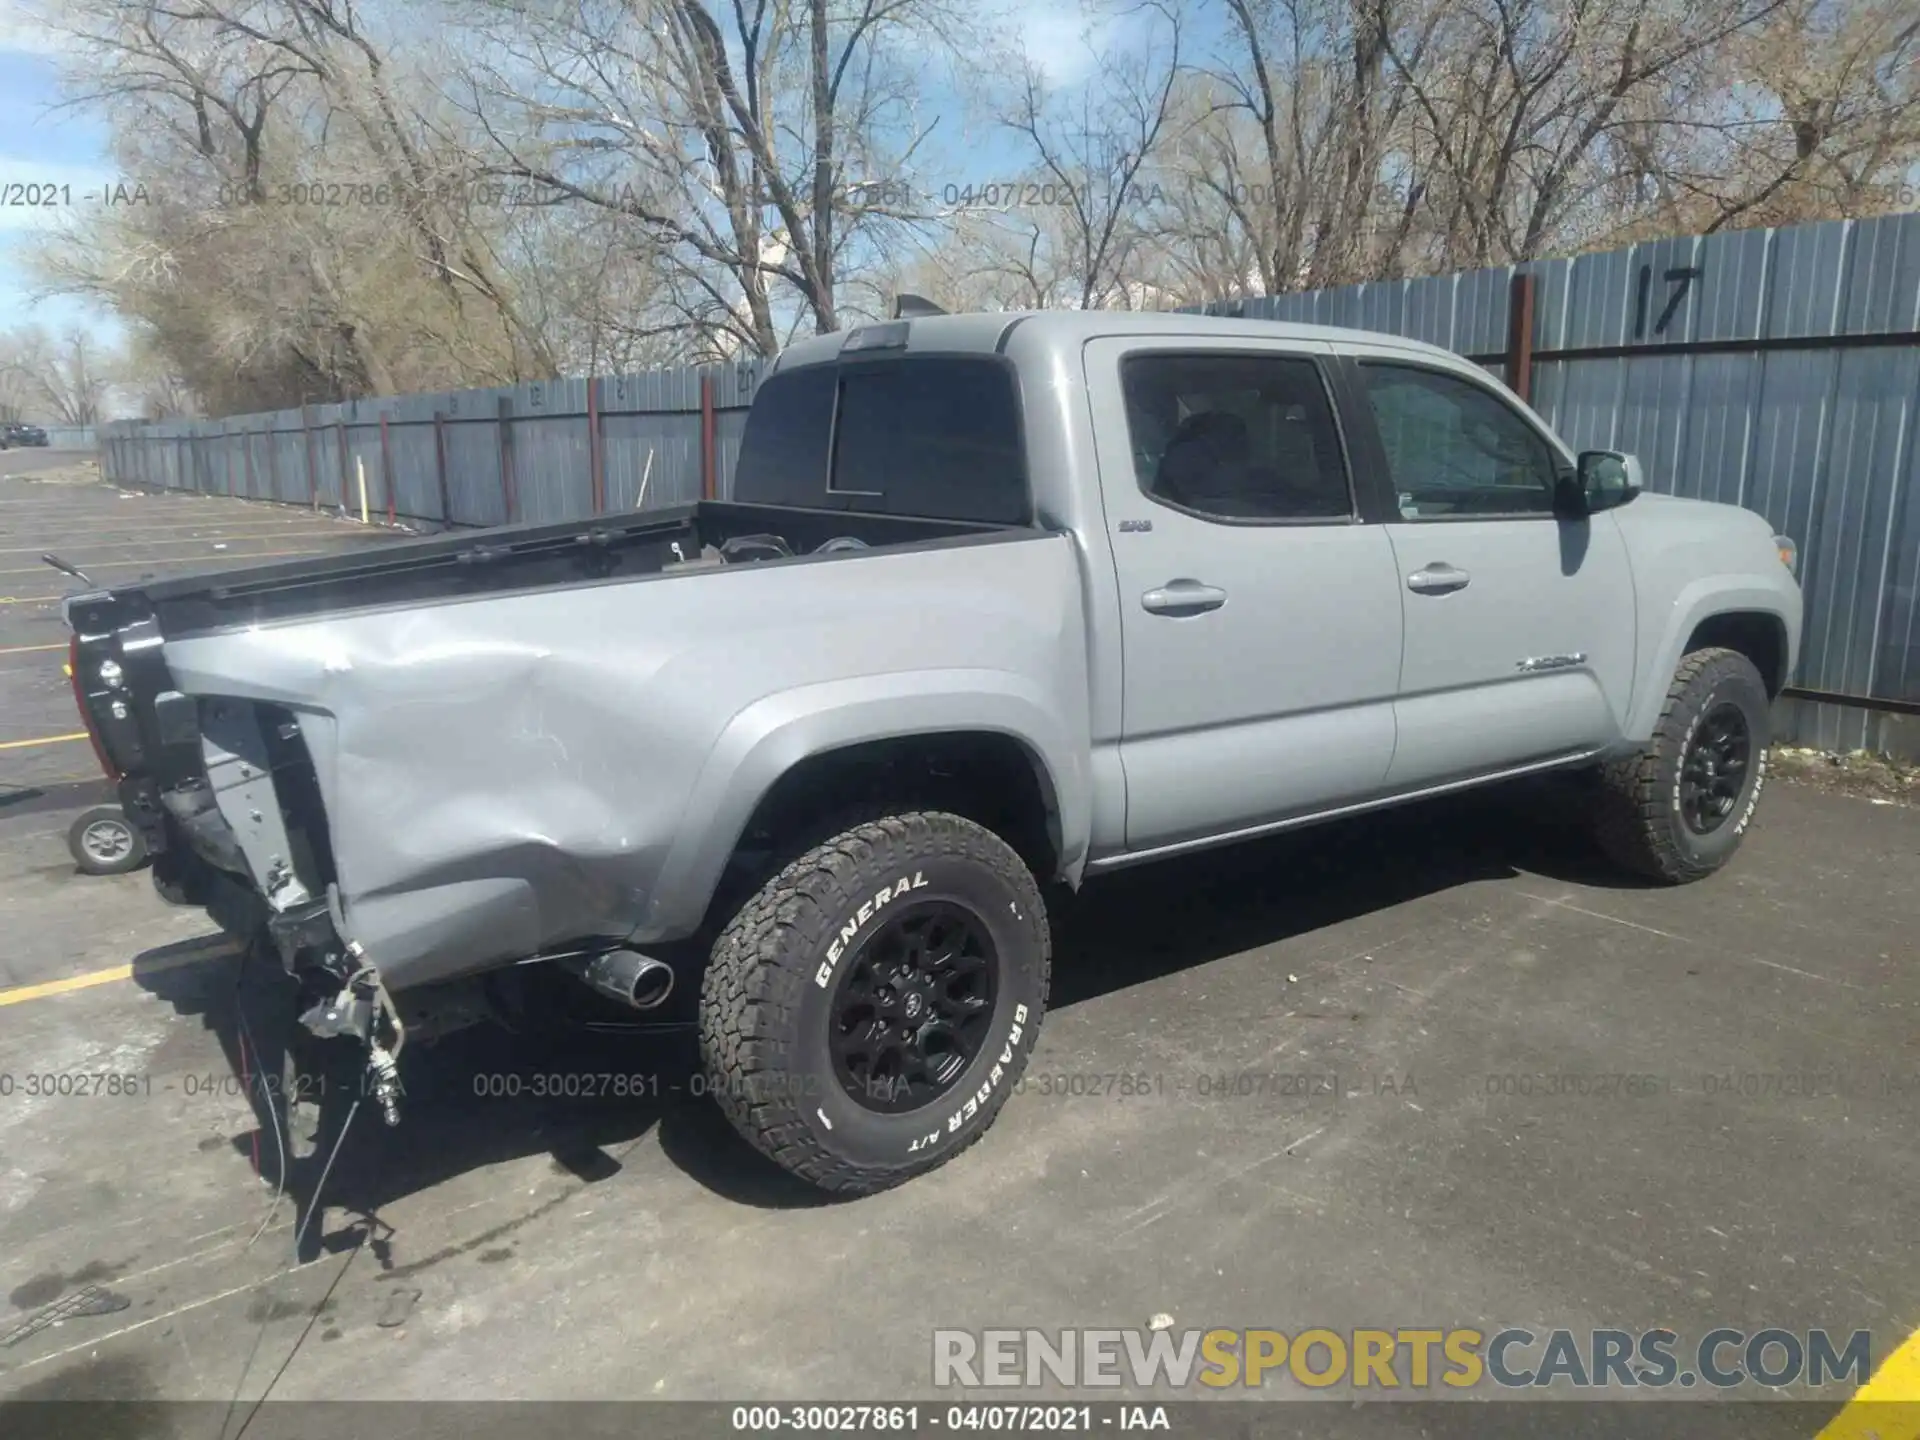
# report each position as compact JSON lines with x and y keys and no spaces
{"x":1437,"y":1068}
{"x":115,"y":537}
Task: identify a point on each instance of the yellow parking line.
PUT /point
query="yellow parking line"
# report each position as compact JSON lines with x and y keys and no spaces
{"x":29,"y":649}
{"x":43,"y":740}
{"x":28,"y":599}
{"x":1887,"y":1407}
{"x":62,"y":987}
{"x":219,"y":948}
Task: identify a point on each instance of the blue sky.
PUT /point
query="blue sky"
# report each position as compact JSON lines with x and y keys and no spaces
{"x":40,"y":145}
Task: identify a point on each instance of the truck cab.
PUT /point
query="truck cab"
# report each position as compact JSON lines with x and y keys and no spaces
{"x":1323,"y":567}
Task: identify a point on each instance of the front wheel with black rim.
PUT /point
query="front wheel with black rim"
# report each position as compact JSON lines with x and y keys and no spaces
{"x":867,"y":1013}
{"x":1677,"y":809}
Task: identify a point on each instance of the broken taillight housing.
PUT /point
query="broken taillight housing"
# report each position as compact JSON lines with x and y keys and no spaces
{"x":107,"y":767}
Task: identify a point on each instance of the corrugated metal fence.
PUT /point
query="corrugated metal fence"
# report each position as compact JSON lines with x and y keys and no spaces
{"x":71,"y":437}
{"x":1778,"y":369}
{"x":545,"y":451}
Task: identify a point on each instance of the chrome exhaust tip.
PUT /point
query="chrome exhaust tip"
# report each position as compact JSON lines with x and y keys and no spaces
{"x":637,"y":981}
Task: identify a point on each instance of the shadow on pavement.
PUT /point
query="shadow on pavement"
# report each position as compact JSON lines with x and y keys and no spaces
{"x":473,"y":1099}
{"x":1138,"y":925}
{"x":54,"y":795}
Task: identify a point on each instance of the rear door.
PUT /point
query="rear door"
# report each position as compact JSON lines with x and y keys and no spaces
{"x":1260,"y":616}
{"x":1519,"y":623}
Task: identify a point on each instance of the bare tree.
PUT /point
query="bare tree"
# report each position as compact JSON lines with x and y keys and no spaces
{"x":1082,"y":214}
{"x":340,"y":199}
{"x":310,"y":235}
{"x":755,"y":148}
{"x":149,"y":380}
{"x":64,"y":379}
{"x":16,"y":388}
{"x":1815,"y":114}
{"x":1345,"y":140}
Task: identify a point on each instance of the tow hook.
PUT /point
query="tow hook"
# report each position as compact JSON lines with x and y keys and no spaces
{"x":384,"y":1074}
{"x":362,"y":1009}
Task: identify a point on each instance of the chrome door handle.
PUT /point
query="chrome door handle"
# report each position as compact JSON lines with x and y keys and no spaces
{"x":1183,"y":597}
{"x":1438,"y":578}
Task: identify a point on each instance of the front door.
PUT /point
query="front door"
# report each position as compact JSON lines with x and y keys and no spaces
{"x":1260,"y":616}
{"x":1519,"y":623}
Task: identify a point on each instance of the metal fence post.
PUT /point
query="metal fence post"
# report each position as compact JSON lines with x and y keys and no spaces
{"x":440,"y":465}
{"x":306,"y":443}
{"x":1520,"y":336}
{"x":507,"y":496}
{"x":707,"y":487}
{"x":340,"y":437}
{"x":596,"y":447}
{"x":386,"y":470}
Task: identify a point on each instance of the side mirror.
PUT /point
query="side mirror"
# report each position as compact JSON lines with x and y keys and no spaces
{"x":1603,"y":480}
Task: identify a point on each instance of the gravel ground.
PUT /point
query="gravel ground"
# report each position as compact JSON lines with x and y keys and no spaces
{"x":1880,"y":778}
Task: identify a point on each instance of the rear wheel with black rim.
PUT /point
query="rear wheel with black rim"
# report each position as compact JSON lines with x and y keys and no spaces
{"x":868,"y":1011}
{"x":1677,"y":810}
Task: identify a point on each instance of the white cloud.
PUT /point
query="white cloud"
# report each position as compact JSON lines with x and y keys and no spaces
{"x":1062,"y":38}
{"x":1067,"y":39}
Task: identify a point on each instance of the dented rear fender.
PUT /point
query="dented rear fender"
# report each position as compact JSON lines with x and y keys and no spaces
{"x":512,"y":773}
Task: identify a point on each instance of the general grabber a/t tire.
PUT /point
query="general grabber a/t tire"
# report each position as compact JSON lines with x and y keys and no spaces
{"x":867,"y":1013}
{"x":1677,"y":810}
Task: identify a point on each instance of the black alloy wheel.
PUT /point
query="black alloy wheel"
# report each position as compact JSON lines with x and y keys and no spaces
{"x":866,"y":1014}
{"x":1713,"y":772}
{"x":913,"y":1007}
{"x":1675,"y":808}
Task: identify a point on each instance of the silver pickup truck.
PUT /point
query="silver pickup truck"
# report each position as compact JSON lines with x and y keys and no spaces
{"x":1000,"y":601}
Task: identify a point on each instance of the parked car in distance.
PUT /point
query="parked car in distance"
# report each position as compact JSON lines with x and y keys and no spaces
{"x":14,"y":432}
{"x":999,"y":601}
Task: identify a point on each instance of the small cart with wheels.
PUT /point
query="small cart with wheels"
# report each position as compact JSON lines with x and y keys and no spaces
{"x":105,"y":842}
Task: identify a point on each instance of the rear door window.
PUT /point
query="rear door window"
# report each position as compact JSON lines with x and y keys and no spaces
{"x":1236,"y":437}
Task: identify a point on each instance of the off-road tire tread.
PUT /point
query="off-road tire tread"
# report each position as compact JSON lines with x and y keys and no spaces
{"x":769,"y":951}
{"x":1630,"y":816}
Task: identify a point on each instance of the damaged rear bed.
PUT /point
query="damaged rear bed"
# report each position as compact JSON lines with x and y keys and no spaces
{"x":460,"y":752}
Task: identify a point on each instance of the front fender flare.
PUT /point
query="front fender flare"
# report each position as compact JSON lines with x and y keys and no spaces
{"x":1696,"y":602}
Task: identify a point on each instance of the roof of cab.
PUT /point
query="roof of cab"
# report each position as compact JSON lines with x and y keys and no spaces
{"x":987,"y":332}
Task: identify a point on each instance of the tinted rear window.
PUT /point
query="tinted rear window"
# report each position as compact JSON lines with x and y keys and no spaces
{"x":937,"y":437}
{"x":783,"y":454}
